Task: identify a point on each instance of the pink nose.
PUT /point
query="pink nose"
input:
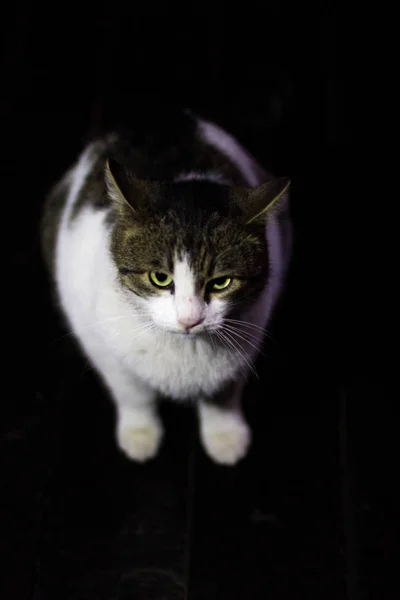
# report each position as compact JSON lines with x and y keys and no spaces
{"x":189,"y":323}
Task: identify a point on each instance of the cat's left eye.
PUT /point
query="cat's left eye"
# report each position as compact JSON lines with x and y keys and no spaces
{"x":161,"y":280}
{"x":221,"y":283}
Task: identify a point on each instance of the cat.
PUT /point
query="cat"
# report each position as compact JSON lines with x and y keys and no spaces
{"x":169,"y":251}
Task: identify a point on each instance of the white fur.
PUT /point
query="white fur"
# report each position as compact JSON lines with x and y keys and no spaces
{"x":226,"y":435}
{"x":191,"y":310}
{"x":140,"y":348}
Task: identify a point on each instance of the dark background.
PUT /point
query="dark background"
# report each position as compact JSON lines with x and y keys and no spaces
{"x":311,"y":511}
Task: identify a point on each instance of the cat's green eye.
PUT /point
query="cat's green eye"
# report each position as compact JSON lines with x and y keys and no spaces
{"x":221,"y":283}
{"x":161,"y":280}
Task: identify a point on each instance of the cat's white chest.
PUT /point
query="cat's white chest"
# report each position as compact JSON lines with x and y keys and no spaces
{"x":176,"y":366}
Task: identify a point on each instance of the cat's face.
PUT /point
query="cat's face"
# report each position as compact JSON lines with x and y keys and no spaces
{"x":190,"y":303}
{"x":187,"y":252}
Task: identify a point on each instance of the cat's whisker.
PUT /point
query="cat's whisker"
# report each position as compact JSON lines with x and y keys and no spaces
{"x":140,"y":312}
{"x":235,"y":350}
{"x":246,"y":339}
{"x":245,"y":327}
{"x":142,"y":332}
{"x":143,"y":328}
{"x":249,"y":325}
{"x":87,"y":368}
{"x":61,"y":338}
{"x":242,"y":321}
{"x":210,"y":337}
{"x":240,"y":350}
{"x":142,"y":324}
{"x":250,"y":339}
{"x":256,"y":336}
{"x":246,"y":324}
{"x":228,"y":349}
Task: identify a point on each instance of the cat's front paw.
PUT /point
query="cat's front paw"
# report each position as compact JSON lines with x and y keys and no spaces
{"x":227,"y":442}
{"x":142,"y":442}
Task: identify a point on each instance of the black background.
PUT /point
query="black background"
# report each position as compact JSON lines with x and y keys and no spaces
{"x":310,"y":512}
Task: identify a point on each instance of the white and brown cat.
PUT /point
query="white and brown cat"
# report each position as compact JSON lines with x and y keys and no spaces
{"x":169,"y":251}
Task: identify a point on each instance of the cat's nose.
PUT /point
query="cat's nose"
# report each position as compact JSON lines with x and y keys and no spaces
{"x":189,"y":323}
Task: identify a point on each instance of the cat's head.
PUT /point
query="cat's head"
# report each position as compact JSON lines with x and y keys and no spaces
{"x":193,"y":252}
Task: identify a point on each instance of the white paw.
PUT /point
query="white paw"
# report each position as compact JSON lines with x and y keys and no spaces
{"x":140,"y":443}
{"x":227,"y":443}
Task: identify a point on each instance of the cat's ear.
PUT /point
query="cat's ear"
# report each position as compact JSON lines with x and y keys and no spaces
{"x":259,"y":202}
{"x":126,"y":190}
